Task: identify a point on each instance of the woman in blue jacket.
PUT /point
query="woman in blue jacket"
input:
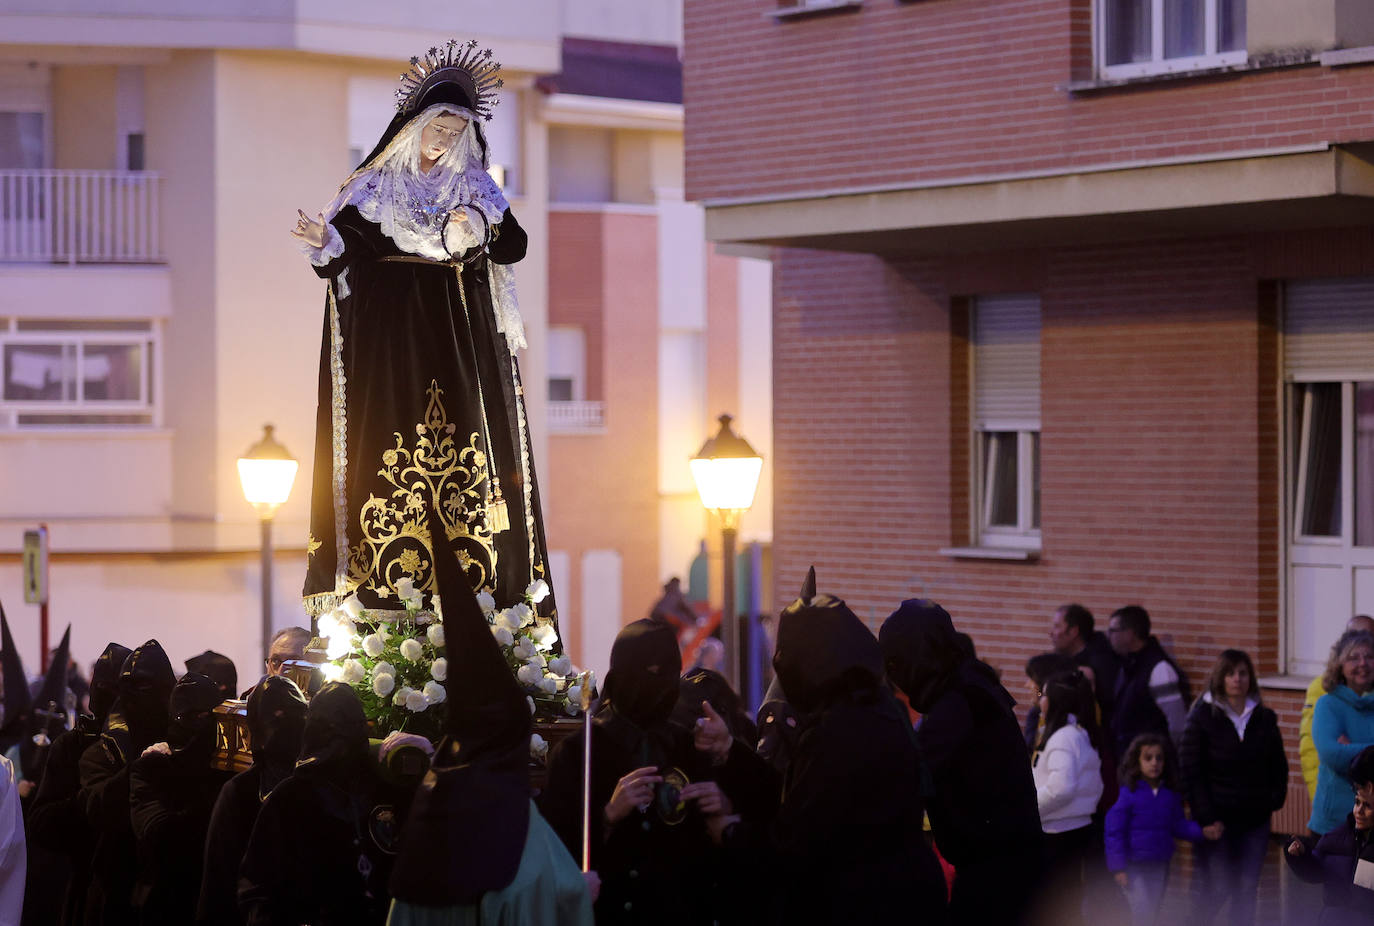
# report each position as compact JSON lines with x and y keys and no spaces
{"x":1342,"y":726}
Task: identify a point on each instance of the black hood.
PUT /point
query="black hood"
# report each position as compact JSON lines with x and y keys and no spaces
{"x":334,"y":741}
{"x":778,"y":728}
{"x":276,"y":727}
{"x":49,"y":705}
{"x":219,"y":668}
{"x":191,"y":726}
{"x":924,"y":654}
{"x":642,"y":680}
{"x":479,"y":782}
{"x":459,"y":93}
{"x":105,"y":679}
{"x":139,"y":715}
{"x":17,"y":697}
{"x":823,"y":651}
{"x":708,"y":685}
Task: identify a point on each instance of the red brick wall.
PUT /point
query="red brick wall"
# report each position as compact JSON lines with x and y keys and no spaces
{"x":896,"y":93}
{"x":1160,"y":438}
{"x":577,"y":285}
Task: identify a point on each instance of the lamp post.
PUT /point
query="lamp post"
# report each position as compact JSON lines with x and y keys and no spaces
{"x":726,"y":470}
{"x":267,"y":471}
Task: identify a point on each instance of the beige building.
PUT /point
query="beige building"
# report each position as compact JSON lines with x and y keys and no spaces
{"x":154,"y":312}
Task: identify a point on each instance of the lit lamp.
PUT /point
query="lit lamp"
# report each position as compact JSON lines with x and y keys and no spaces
{"x":726,"y":470}
{"x":267,"y":472}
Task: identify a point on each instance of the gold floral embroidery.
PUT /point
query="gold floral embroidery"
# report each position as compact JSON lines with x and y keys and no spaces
{"x":395,"y":531}
{"x":311,"y":545}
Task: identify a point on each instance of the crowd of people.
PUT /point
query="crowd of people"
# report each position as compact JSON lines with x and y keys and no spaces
{"x":884,"y":779}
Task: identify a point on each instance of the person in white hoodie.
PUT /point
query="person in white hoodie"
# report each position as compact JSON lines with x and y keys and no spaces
{"x":1067,"y":771}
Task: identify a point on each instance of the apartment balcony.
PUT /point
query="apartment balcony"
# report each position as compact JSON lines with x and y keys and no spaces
{"x":79,"y":217}
{"x":576,"y":417}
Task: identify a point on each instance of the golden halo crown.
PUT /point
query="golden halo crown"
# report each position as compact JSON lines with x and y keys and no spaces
{"x":463,"y":64}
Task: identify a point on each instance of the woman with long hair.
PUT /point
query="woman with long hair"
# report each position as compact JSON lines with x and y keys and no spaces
{"x":1068,"y":785}
{"x":1342,"y":726}
{"x":1235,"y":775}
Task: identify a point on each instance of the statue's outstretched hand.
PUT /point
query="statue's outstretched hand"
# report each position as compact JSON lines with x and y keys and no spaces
{"x":309,"y":230}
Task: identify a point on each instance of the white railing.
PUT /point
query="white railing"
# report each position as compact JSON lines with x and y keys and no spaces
{"x":79,"y":216}
{"x":576,"y":417}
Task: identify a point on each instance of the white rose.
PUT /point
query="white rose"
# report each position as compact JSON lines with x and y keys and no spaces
{"x":536,"y":658}
{"x":373,"y":645}
{"x":436,"y":635}
{"x":544,"y":635}
{"x":416,"y":702}
{"x":537,"y":591}
{"x":383,"y":668}
{"x":353,"y":672}
{"x":561,"y":665}
{"x":574,"y":704}
{"x":331,"y":672}
{"x":538,"y":747}
{"x":523,"y":612}
{"x":549,"y":684}
{"x":530,"y":701}
{"x":399,"y":698}
{"x":508,"y":619}
{"x":486,"y":602}
{"x":352,"y":606}
{"x":346,"y":627}
{"x":405,"y":587}
{"x":503,"y":636}
{"x":529,"y":675}
{"x":434,"y":692}
{"x":328,"y":625}
{"x":383,"y":684}
{"x":339,"y":647}
{"x":439,"y":671}
{"x":524,"y":649}
{"x":411,"y":650}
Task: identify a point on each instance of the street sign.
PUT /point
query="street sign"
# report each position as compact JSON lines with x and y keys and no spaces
{"x":36,"y":566}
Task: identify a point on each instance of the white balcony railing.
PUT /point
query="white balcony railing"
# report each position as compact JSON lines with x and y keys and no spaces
{"x":79,"y":216}
{"x":576,"y":417}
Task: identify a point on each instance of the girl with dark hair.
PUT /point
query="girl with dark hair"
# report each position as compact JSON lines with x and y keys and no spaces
{"x":1068,"y":784}
{"x":1235,"y":775}
{"x":1143,"y":824}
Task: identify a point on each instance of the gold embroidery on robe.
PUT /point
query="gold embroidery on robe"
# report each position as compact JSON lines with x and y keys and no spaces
{"x":395,"y":533}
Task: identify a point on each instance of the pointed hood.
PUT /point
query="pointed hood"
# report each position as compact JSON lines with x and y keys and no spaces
{"x":777,"y":726}
{"x":50,"y":702}
{"x":465,"y":833}
{"x":823,"y":650}
{"x":191,"y":724}
{"x":642,"y":679}
{"x":334,"y":741}
{"x":105,"y":679}
{"x":17,"y":698}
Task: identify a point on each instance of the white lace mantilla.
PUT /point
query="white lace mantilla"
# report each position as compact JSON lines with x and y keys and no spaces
{"x":412,"y":207}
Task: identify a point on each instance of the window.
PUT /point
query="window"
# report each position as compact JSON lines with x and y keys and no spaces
{"x":1329,"y":366}
{"x":1142,"y":37}
{"x":1006,"y":420}
{"x":78,"y":373}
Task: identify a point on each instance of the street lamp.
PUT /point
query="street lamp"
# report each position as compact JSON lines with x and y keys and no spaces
{"x":726,"y":470}
{"x":267,"y":472}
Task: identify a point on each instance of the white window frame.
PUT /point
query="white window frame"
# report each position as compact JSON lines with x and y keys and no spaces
{"x":1158,"y":64}
{"x":148,"y":403}
{"x":1025,"y":534}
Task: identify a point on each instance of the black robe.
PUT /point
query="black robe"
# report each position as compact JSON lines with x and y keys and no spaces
{"x":419,"y":397}
{"x":56,"y":821}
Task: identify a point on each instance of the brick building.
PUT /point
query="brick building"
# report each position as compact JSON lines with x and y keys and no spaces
{"x":1069,"y":304}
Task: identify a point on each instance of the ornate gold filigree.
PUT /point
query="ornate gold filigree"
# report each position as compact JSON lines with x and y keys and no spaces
{"x":311,"y":545}
{"x":395,"y":538}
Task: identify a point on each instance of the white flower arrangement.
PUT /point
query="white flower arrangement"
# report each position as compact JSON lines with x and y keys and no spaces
{"x":397,"y":662}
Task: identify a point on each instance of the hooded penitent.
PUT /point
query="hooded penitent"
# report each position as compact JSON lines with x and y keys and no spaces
{"x":139,"y":715}
{"x":642,"y":681}
{"x":219,"y":668}
{"x":105,"y":680}
{"x":823,"y":650}
{"x":923,"y":652}
{"x":17,"y":698}
{"x":48,"y":712}
{"x":276,"y":726}
{"x":191,"y":726}
{"x":710,"y":686}
{"x":334,"y":742}
{"x":465,"y":833}
{"x":777,"y":726}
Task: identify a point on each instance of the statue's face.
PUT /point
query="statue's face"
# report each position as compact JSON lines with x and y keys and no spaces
{"x":440,"y":134}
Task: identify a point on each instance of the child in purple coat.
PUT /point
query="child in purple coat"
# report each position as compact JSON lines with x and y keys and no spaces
{"x":1142,"y":825}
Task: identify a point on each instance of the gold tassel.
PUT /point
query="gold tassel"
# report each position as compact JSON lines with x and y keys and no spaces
{"x":498,"y":518}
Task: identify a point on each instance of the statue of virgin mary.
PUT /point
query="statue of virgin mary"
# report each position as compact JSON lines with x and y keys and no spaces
{"x":420,"y":395}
